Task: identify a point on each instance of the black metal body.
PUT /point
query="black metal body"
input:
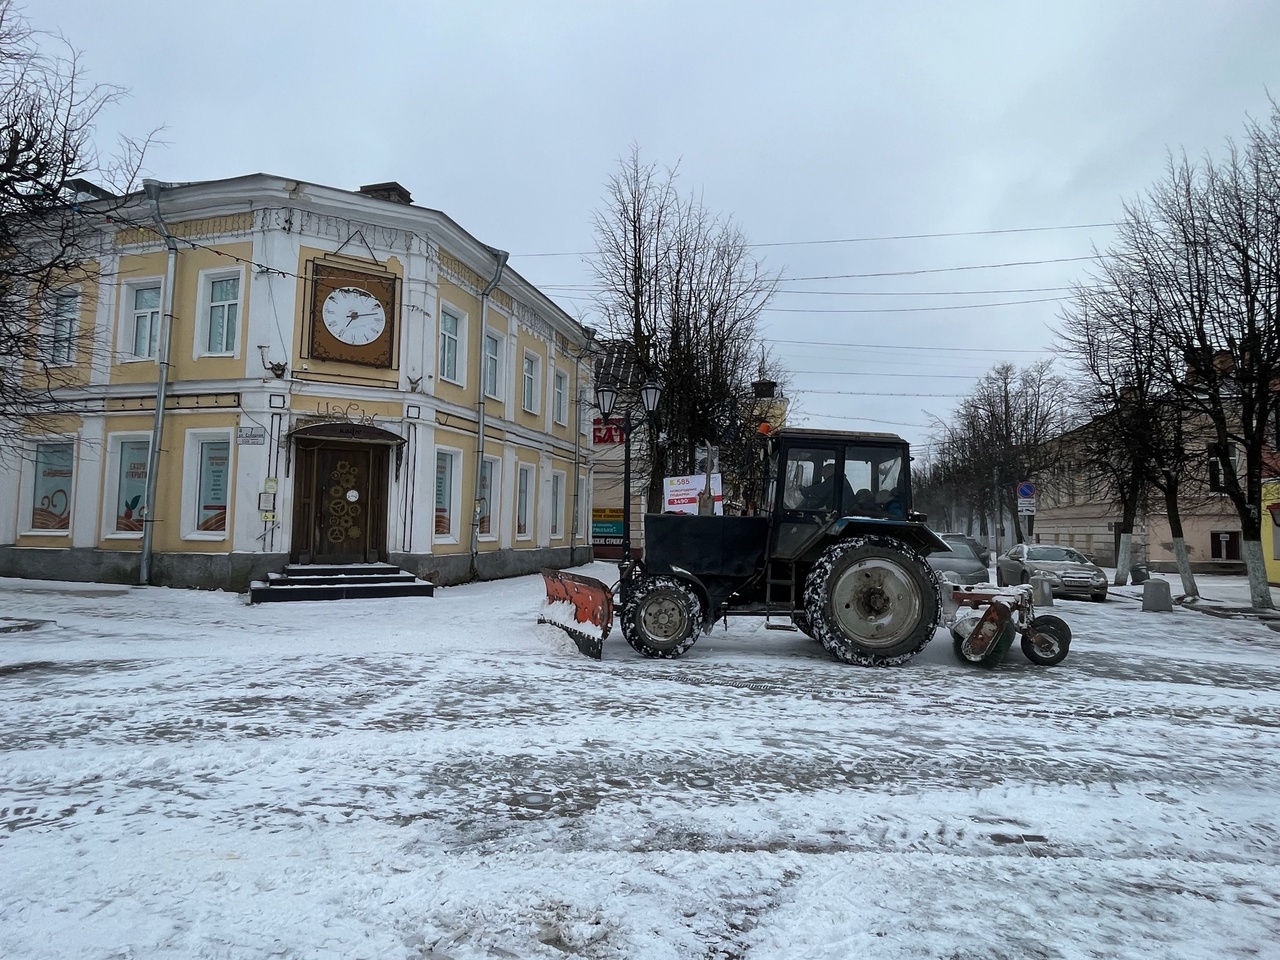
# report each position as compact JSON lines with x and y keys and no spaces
{"x":757,"y":565}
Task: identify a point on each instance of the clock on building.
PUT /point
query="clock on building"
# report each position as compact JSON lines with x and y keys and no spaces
{"x":353,"y":315}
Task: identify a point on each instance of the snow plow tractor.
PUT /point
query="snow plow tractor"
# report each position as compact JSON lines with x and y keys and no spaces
{"x":835,"y":551}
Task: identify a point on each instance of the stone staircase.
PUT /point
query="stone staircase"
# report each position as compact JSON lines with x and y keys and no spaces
{"x":351,"y":581}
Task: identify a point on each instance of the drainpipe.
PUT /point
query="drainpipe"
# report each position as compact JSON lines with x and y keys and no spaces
{"x":152,"y":190}
{"x":474,"y":574}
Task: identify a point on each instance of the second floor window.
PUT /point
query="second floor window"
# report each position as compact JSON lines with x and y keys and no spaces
{"x":146,"y":321}
{"x":448,"y":346}
{"x":492,"y":365}
{"x":224,"y":310}
{"x":561,"y":398}
{"x":62,"y":328}
{"x":529,"y":395}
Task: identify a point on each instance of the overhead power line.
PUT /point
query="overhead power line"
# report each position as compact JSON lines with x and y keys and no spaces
{"x":902,"y":236}
{"x":987,"y":349}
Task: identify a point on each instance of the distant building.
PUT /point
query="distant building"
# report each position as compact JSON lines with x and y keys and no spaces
{"x":332,"y":355}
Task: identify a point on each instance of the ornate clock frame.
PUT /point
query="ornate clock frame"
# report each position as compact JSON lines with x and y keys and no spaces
{"x":319,"y":342}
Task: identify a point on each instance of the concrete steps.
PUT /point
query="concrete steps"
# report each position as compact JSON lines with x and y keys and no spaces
{"x":351,"y":581}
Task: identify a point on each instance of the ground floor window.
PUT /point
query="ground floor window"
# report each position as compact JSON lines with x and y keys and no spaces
{"x":51,"y":486}
{"x":130,"y":481}
{"x":446,"y":515}
{"x":524,"y":484}
{"x":489,"y":468}
{"x":557,"y":505}
{"x":1224,"y":544}
{"x":206,"y":484}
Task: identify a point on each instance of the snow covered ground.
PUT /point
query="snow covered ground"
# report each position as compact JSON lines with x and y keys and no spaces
{"x":185,"y":776}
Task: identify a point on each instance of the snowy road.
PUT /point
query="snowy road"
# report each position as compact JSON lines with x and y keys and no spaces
{"x":183,"y":776}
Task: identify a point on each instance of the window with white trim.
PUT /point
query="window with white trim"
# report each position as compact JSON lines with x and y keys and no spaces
{"x":447,"y":496}
{"x":491,"y":365}
{"x":144,"y":320}
{"x":206,"y":484}
{"x":557,"y":505}
{"x":60,"y":328}
{"x":127,"y":461}
{"x":450,"y":332}
{"x":529,"y":384}
{"x":219,"y":309}
{"x":524,"y":490}
{"x":560,"y":398}
{"x":490,"y":471}
{"x":51,"y":477}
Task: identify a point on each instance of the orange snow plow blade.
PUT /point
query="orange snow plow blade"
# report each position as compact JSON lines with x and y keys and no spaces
{"x":575,"y":604}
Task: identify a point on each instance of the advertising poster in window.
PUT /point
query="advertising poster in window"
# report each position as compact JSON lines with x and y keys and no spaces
{"x":51,"y":505}
{"x":211,"y":517}
{"x":485,"y":508}
{"x":132,"y":487}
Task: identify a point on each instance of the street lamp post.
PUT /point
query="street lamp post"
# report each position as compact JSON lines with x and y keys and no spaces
{"x":606,"y":399}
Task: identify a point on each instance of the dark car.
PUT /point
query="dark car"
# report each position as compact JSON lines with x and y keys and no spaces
{"x":1069,"y":573}
{"x":979,"y":548}
{"x":958,"y":565}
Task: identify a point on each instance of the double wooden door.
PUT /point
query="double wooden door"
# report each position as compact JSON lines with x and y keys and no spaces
{"x":340,"y":504}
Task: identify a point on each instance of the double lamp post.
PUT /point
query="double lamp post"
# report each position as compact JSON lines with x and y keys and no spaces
{"x":606,"y":399}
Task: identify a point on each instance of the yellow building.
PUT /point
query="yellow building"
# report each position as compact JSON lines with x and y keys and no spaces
{"x":1271,"y":529}
{"x":326,"y":359}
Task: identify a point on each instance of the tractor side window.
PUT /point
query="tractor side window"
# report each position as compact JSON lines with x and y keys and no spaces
{"x":874,"y":476}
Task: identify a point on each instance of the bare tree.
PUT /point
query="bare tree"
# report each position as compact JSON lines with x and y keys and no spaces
{"x":680,"y":286}
{"x":49,"y":169}
{"x":1208,"y":241}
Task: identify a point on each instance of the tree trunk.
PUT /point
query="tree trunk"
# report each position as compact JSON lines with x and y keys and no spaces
{"x":1259,"y":591}
{"x":1174,"y":514}
{"x":1122,"y":560}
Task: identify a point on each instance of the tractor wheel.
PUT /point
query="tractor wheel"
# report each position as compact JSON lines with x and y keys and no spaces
{"x":661,"y":617}
{"x":872,"y":601}
{"x":1050,"y":641}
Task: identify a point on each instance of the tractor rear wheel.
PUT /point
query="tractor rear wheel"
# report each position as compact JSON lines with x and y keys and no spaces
{"x":661,"y":617}
{"x":872,"y":601}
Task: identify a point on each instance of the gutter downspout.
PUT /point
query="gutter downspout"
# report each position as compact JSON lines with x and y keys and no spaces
{"x":473,"y":573}
{"x":152,"y":190}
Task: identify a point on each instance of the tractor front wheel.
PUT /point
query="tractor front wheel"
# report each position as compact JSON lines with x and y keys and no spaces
{"x":872,"y":601}
{"x":661,"y":617}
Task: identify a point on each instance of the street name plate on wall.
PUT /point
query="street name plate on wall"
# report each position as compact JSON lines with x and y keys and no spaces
{"x":247,"y":436}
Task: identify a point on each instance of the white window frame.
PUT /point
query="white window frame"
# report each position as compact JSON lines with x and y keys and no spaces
{"x":460,"y":346}
{"x":526,"y":484}
{"x":54,"y":318}
{"x":560,"y":398}
{"x":530,"y":375}
{"x":28,"y":484}
{"x":455,"y":495}
{"x":191,"y":482}
{"x":127,"y":327}
{"x":495,"y":497}
{"x":557,"y":504}
{"x":111,"y":485}
{"x":491,"y":385}
{"x":205,"y":304}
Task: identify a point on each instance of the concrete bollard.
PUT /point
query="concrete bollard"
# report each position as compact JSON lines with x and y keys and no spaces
{"x":1042,"y":591}
{"x":1156,"y":595}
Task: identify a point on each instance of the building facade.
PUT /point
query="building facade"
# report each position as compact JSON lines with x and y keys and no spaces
{"x":342,"y":376}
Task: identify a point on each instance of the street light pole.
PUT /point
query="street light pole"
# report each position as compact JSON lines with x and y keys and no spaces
{"x":606,"y":398}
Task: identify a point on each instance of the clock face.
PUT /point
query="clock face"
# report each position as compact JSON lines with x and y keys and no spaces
{"x":353,"y":315}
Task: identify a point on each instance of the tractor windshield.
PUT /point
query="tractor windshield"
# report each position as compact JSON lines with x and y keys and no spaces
{"x":855,"y":480}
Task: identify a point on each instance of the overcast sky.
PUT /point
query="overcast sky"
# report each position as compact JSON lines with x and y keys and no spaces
{"x":808,"y":123}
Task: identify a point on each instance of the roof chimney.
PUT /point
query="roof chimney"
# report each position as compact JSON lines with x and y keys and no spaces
{"x":387,"y":191}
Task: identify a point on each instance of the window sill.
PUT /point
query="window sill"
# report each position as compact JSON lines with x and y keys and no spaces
{"x":123,"y":535}
{"x":45,"y":533}
{"x":205,"y":537}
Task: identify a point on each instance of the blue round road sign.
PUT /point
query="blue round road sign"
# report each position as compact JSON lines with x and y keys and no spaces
{"x":1026,"y":490}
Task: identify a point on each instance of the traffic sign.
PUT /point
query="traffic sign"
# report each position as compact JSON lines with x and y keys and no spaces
{"x":1026,"y":490}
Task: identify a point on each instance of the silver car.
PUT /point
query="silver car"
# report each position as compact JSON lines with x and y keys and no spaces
{"x":958,"y":565}
{"x":1069,"y":573}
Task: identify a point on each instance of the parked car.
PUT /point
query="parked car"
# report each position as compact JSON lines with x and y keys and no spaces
{"x":1069,"y":573}
{"x":982,"y":551}
{"x":959,"y":564}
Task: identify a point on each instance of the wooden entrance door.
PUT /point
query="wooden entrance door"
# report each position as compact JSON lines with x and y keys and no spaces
{"x":341,"y":514}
